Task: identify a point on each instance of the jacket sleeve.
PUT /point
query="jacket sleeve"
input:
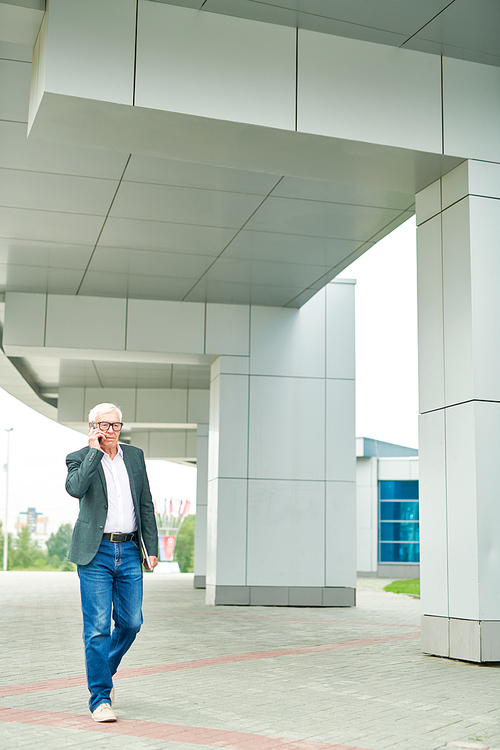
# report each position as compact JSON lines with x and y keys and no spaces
{"x":81,"y":471}
{"x":148,"y":519}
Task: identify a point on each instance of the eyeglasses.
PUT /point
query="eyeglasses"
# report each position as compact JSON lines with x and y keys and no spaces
{"x":104,"y":426}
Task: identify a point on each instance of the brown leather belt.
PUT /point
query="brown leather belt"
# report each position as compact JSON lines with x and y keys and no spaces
{"x":114,"y":537}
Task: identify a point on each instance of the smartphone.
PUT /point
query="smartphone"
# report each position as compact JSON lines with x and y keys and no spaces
{"x":94,"y":426}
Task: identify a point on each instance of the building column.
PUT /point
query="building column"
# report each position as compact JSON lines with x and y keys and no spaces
{"x":367,"y":514}
{"x":281,"y":477}
{"x":458,"y":220}
{"x":200,"y":529}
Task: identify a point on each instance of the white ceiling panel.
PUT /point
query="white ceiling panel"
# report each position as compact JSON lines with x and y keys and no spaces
{"x":241,"y":294}
{"x":325,"y":25}
{"x":78,"y":373}
{"x":11,"y":51}
{"x":76,"y":381}
{"x":466,"y":29}
{"x":219,"y":291}
{"x":384,"y":231}
{"x":185,"y":174}
{"x":134,"y":374}
{"x":343,"y":263}
{"x":101,"y":283}
{"x":190,"y":376}
{"x":391,"y":15}
{"x":17,"y":151}
{"x":260,"y":295}
{"x":101,"y":374}
{"x":165,"y":236}
{"x":15,"y":80}
{"x":320,"y":219}
{"x":419,"y":44}
{"x":168,"y":264}
{"x":183,"y":205}
{"x":301,"y":299}
{"x":30,"y":253}
{"x":287,"y":15}
{"x":264,"y":272}
{"x":27,"y":224}
{"x":196,"y":4}
{"x":37,"y":279}
{"x":117,"y":379}
{"x":159,"y":287}
{"x":359,"y":195}
{"x":256,"y":11}
{"x":154,"y":376}
{"x":56,"y":192}
{"x":469,"y":29}
{"x":321,"y":281}
{"x":143,"y":262}
{"x":289,"y":248}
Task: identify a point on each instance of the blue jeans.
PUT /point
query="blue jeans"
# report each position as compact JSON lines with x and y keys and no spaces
{"x":110,"y":585}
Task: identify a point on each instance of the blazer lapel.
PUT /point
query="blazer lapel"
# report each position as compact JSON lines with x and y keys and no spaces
{"x":100,"y":472}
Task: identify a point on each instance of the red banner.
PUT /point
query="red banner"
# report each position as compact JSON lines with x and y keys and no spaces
{"x":167,"y":547}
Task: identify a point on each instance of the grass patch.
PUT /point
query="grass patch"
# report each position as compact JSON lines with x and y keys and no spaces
{"x":410,"y":586}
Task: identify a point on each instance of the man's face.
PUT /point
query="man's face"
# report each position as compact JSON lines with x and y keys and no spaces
{"x":111,"y":437}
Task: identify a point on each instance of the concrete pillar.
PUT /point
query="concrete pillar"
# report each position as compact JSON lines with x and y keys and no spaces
{"x":459,"y":360}
{"x":367,"y":515}
{"x":200,"y":529}
{"x":281,"y":476}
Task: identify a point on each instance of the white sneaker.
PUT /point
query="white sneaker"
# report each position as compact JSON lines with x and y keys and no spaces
{"x":103,"y":712}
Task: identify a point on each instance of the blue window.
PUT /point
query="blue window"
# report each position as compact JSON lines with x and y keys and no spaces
{"x":398,"y":490}
{"x":398,"y":511}
{"x":399,"y":529}
{"x":399,"y":553}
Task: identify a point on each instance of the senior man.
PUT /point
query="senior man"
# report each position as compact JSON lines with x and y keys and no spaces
{"x":115,"y":524}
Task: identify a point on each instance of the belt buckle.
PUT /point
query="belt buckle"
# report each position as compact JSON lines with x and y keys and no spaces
{"x":112,"y":539}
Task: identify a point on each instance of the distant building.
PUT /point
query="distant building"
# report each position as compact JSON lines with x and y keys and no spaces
{"x":387,"y":499}
{"x":36,"y":523}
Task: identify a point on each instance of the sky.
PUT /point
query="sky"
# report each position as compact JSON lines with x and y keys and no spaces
{"x":386,"y":393}
{"x":386,"y":338}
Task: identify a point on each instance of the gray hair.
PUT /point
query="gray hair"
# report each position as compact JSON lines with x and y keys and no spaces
{"x":100,"y":409}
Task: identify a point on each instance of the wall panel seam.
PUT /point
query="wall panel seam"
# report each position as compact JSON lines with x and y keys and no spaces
{"x":462,"y":403}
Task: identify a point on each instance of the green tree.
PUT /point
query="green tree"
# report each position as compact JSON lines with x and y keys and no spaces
{"x":58,"y":543}
{"x":25,"y":553}
{"x":184,"y":546}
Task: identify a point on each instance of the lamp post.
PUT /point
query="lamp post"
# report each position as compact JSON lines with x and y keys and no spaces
{"x":5,"y":532}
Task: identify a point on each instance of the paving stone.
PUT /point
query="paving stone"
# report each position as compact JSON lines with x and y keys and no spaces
{"x":252,"y":678}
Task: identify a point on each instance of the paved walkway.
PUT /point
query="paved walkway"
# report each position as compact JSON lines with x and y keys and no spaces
{"x":243,"y":678}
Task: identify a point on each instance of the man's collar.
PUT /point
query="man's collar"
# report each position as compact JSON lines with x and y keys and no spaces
{"x":119,"y":452}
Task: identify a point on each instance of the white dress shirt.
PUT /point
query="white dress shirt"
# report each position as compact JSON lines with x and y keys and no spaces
{"x":121,"y":513}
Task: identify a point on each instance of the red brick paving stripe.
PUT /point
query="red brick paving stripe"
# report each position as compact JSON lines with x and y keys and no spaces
{"x":68,"y":682}
{"x":167,"y":732}
{"x":232,"y":658}
{"x":60,"y":683}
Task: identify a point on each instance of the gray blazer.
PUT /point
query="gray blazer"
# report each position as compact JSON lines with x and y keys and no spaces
{"x":87,"y":482}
